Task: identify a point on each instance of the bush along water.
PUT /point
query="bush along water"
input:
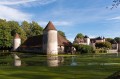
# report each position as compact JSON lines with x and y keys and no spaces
{"x":84,"y":48}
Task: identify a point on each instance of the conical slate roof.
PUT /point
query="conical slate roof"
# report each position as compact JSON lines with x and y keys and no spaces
{"x":16,"y":35}
{"x":86,"y":36}
{"x":50,"y":26}
{"x":99,"y":38}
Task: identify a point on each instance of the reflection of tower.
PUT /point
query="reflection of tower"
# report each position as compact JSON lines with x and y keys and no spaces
{"x":87,"y":40}
{"x":17,"y":61}
{"x":52,"y":61}
{"x":16,"y":42}
{"x":50,"y":41}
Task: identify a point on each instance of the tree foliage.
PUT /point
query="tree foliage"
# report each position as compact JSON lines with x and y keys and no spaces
{"x":9,"y":28}
{"x":15,"y":28}
{"x":109,"y":39}
{"x":117,"y":39}
{"x":83,"y":48}
{"x":79,"y":35}
{"x":115,"y":4}
{"x":103,"y":45}
{"x":36,"y":29}
{"x":26,"y":27}
{"x":5,"y":36}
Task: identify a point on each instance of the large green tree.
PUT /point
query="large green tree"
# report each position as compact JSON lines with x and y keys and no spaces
{"x":109,"y":39}
{"x":117,"y":39}
{"x":15,"y":28}
{"x":79,"y":35}
{"x":27,"y":28}
{"x":5,"y":36}
{"x":103,"y":45}
{"x":115,"y":4}
{"x":36,"y":29}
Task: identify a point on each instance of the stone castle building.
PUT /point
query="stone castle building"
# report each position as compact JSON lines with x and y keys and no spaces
{"x":88,"y":41}
{"x":92,"y":41}
{"x":51,"y":42}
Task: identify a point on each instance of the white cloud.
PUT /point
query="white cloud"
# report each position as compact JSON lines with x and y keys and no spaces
{"x":61,"y":23}
{"x":115,"y":18}
{"x":13,"y":14}
{"x":9,"y":12}
{"x":25,"y":2}
{"x":56,"y":23}
{"x":15,"y":2}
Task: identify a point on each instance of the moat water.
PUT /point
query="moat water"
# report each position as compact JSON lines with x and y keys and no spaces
{"x":54,"y":61}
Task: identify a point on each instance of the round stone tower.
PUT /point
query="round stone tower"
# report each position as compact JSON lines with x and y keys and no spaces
{"x":16,"y":42}
{"x":87,"y":39}
{"x":50,"y":40}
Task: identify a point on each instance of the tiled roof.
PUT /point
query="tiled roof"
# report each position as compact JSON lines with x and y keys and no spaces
{"x":86,"y":36}
{"x":62,"y":41}
{"x":36,"y":41}
{"x":99,"y":38}
{"x":49,"y":26}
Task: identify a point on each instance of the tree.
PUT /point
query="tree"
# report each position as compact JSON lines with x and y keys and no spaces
{"x":117,"y":39}
{"x":107,"y":45}
{"x":115,"y":4}
{"x":79,"y":35}
{"x":5,"y":36}
{"x":36,"y":29}
{"x":15,"y":28}
{"x":26,"y":27}
{"x":83,"y":48}
{"x":109,"y":39}
{"x":61,"y":33}
{"x":103,"y":45}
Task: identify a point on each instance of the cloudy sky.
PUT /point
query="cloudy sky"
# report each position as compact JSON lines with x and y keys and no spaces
{"x":90,"y":17}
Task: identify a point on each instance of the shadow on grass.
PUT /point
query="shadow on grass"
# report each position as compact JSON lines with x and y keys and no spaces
{"x":115,"y":75}
{"x":31,"y":76}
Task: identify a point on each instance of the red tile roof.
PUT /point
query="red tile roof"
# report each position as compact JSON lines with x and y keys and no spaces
{"x":62,"y":41}
{"x":50,"y":26}
{"x":36,"y":41}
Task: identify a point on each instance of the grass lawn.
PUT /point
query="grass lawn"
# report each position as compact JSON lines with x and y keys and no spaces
{"x":81,"y":71}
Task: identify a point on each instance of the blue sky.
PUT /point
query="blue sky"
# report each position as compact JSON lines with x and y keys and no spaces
{"x":90,"y":17}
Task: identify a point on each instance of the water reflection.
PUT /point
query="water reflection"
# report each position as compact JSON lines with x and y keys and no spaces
{"x":54,"y":61}
{"x":73,"y":62}
{"x":17,"y":60}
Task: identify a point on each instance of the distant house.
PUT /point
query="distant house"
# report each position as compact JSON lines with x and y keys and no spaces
{"x":50,"y":42}
{"x":88,"y":41}
{"x":92,"y":41}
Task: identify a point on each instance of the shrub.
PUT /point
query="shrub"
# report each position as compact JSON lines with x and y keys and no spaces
{"x":103,"y":45}
{"x":83,"y":48}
